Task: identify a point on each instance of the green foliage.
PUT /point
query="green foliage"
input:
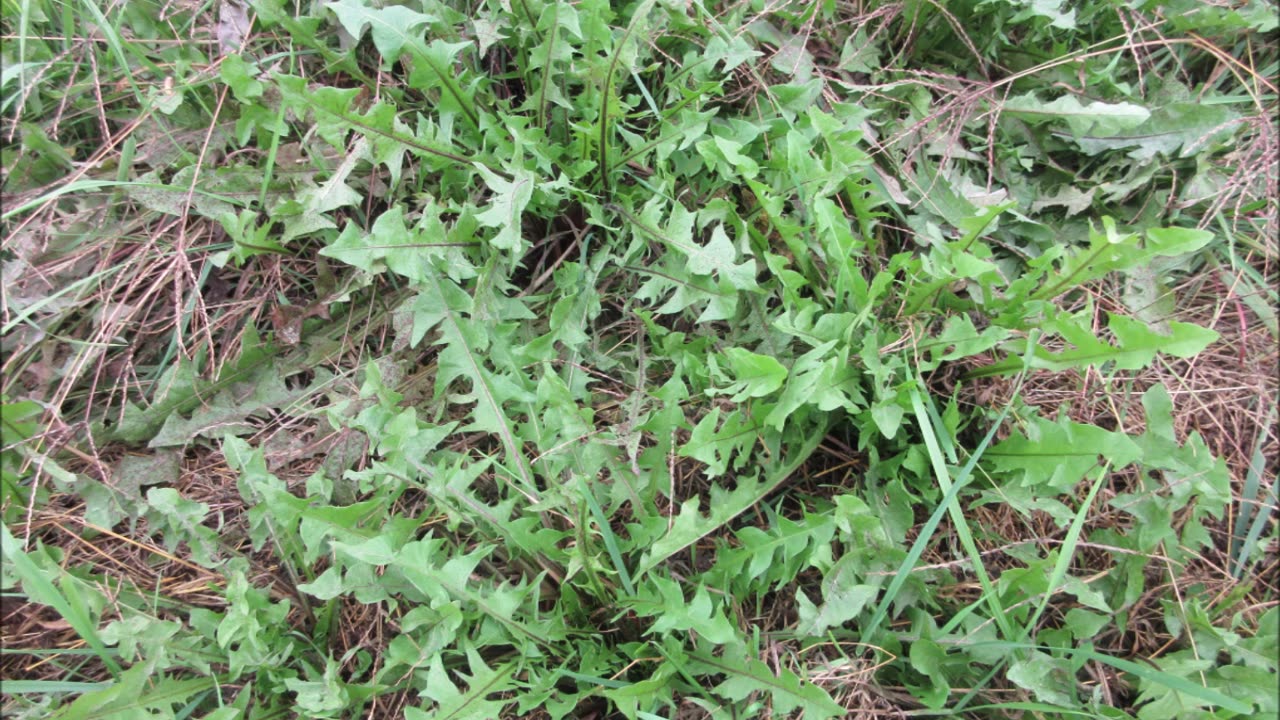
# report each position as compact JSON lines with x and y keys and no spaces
{"x":787,"y":691}
{"x":617,"y":341}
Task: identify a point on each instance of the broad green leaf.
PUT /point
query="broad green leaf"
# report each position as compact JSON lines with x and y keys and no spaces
{"x":39,"y":588}
{"x":787,"y":690}
{"x":182,"y":520}
{"x":376,"y":550}
{"x":649,"y":692}
{"x":331,"y":107}
{"x":134,"y":472}
{"x":385,"y":134}
{"x":716,"y":443}
{"x":1050,"y":679}
{"x":731,"y":51}
{"x":506,"y":207}
{"x":755,"y":375}
{"x":1159,"y":680}
{"x":1149,"y":299}
{"x":323,"y":698}
{"x":843,"y":598}
{"x":487,"y":33}
{"x":436,"y":67}
{"x":412,"y":649}
{"x":1058,"y":454}
{"x":1163,"y":700}
{"x":723,"y":153}
{"x":961,"y":338}
{"x":180,"y":390}
{"x":1072,"y":197}
{"x":690,"y":526}
{"x":420,"y":563}
{"x":1176,"y":241}
{"x":238,"y":74}
{"x":1136,"y":345}
{"x":821,"y":379}
{"x":464,"y":356}
{"x":1178,"y":129}
{"x":697,"y":614}
{"x":334,"y":192}
{"x":1096,"y":118}
{"x":1084,"y":624}
{"x":327,"y":585}
{"x":471,"y":703}
{"x":888,"y":416}
{"x":1050,"y":9}
{"x":392,"y":27}
{"x":231,"y":410}
{"x":1138,"y":341}
{"x":135,"y":695}
{"x":388,"y":244}
{"x":1252,"y":684}
{"x":719,"y":257}
{"x":689,"y":280}
{"x":335,"y":119}
{"x":773,"y":557}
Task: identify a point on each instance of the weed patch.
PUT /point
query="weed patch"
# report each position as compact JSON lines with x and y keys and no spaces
{"x":657,"y":359}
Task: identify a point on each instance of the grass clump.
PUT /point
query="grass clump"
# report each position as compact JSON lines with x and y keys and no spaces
{"x":546,"y":359}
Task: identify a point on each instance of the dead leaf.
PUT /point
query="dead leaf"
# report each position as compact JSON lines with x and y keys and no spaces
{"x":287,"y":320}
{"x":233,"y":25}
{"x":133,"y":472}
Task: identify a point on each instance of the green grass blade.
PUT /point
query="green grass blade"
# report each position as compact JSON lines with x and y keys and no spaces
{"x":1146,"y":672}
{"x":24,"y":24}
{"x":1173,"y":682}
{"x":446,"y":78}
{"x":961,"y":614}
{"x":99,"y":184}
{"x":959,"y":521}
{"x":1007,"y":709}
{"x":1066,"y":552}
{"x":40,"y":589}
{"x":610,"y":541}
{"x":546,"y":69}
{"x":602,"y":147}
{"x":117,"y":48}
{"x":927,"y":530}
{"x":1242,"y":549}
{"x":135,"y":692}
{"x":734,"y":504}
{"x":35,"y":687}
